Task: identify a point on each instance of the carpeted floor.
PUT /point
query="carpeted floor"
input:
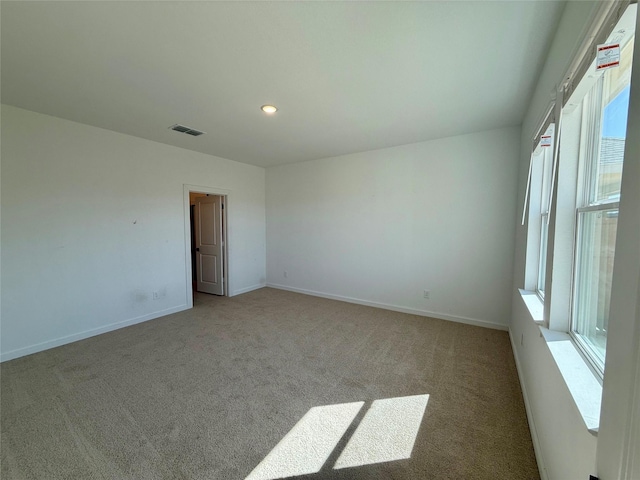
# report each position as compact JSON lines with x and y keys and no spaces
{"x":208,"y":393}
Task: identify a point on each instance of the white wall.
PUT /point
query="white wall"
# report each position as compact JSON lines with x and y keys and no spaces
{"x":564,"y":447}
{"x":93,"y":223}
{"x":380,"y":227}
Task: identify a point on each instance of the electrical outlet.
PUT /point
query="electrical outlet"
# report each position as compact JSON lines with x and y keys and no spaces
{"x":426,"y":294}
{"x":285,"y":274}
{"x":156,"y":295}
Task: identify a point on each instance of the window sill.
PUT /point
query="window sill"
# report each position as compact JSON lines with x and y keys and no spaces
{"x":583,"y":384}
{"x":534,"y":305}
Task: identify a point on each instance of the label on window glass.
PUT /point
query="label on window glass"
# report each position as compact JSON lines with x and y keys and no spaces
{"x":545,"y":141}
{"x":608,"y":56}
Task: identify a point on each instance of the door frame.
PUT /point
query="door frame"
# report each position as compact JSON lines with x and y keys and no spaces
{"x":226,"y":194}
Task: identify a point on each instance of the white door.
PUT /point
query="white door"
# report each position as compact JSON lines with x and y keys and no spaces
{"x":208,"y":229}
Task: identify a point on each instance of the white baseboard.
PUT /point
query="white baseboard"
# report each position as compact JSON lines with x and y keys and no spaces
{"x":395,"y":308}
{"x":247,"y":289}
{"x":39,"y":347}
{"x":532,"y":426}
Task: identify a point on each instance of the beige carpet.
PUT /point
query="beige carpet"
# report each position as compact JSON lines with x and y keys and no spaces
{"x":209,"y":393}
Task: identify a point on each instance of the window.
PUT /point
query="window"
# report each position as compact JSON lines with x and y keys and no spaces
{"x":604,"y":120}
{"x":574,"y":189}
{"x":545,"y":187}
{"x":539,"y":201}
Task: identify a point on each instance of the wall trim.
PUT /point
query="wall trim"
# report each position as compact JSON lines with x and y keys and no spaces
{"x":57,"y":342}
{"x":240,"y":291}
{"x":395,"y":308}
{"x":532,"y":425}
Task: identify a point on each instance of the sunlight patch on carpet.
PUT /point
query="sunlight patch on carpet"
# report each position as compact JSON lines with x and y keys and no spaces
{"x":386,"y":433}
{"x":308,"y":445}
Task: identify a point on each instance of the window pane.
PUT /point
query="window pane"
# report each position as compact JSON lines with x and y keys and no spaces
{"x":542,"y":268}
{"x":615,"y":109}
{"x":594,"y":272}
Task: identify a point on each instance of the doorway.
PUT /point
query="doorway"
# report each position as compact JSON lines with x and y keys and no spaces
{"x":206,"y":232}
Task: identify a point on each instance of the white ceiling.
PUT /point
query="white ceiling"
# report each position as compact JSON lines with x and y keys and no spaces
{"x":346,"y":76}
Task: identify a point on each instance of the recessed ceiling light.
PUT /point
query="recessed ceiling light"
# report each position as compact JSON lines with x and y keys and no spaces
{"x":270,"y":109}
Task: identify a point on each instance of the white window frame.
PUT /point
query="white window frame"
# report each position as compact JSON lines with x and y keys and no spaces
{"x":591,"y":108}
{"x":545,"y":204}
{"x":586,"y":203}
{"x":568,"y":203}
{"x":537,"y":202}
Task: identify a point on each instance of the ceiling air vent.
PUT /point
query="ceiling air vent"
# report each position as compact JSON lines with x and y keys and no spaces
{"x":189,"y":131}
